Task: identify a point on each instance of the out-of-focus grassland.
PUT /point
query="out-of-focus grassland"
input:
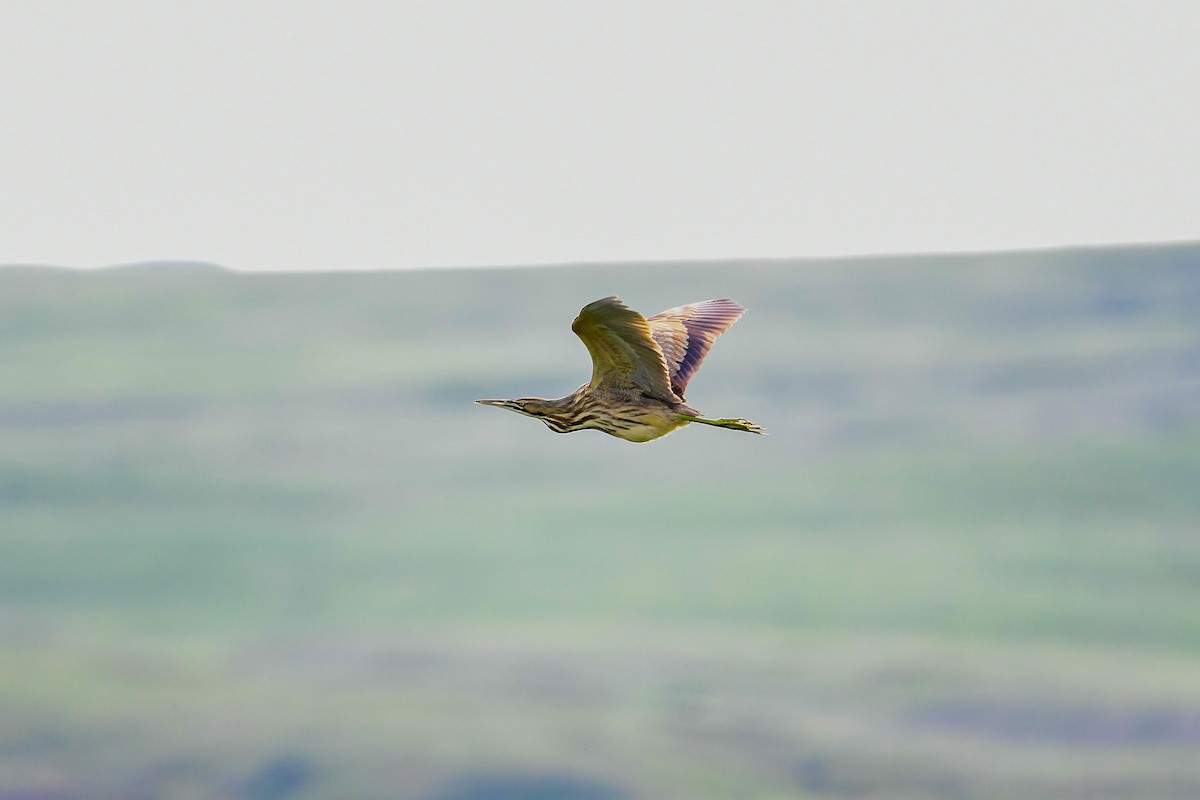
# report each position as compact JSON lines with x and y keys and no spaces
{"x":257,"y":542}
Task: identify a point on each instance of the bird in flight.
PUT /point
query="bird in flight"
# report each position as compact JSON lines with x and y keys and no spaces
{"x":640,"y":368}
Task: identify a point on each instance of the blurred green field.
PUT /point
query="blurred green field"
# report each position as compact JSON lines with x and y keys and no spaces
{"x":257,"y":542}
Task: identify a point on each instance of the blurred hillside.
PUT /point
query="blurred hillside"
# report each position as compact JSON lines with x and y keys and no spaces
{"x":256,"y":541}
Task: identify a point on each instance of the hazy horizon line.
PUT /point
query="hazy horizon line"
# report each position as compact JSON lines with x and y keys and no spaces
{"x":854,"y":256}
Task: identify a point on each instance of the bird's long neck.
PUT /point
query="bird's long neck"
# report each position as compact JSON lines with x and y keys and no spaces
{"x":567,"y":413}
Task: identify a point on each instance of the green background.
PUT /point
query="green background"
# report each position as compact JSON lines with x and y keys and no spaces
{"x":256,"y":541}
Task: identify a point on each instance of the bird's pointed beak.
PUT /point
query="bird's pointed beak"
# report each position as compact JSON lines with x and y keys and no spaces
{"x":512,"y":405}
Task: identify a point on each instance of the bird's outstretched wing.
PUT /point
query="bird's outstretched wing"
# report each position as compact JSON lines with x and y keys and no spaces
{"x":685,"y":335}
{"x":624,"y":355}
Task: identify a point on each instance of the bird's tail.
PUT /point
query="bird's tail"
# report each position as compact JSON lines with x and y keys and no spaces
{"x":733,"y":424}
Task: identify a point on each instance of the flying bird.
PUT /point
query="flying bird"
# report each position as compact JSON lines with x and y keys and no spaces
{"x":640,"y":368}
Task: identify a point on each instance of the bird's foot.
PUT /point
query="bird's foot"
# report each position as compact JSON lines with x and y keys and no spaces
{"x":738,"y":424}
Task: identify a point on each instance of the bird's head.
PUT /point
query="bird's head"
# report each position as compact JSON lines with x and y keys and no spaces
{"x":529,"y":406}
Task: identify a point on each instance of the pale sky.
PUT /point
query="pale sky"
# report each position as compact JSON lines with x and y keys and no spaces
{"x":366,"y":135}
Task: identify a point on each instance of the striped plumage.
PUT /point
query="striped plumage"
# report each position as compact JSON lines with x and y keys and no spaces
{"x":640,"y":369}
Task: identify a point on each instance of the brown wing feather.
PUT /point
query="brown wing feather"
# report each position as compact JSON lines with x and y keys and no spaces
{"x":624,"y":355}
{"x":685,"y":335}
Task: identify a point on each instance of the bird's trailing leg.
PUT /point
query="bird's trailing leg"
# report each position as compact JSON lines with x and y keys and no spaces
{"x":733,"y":424}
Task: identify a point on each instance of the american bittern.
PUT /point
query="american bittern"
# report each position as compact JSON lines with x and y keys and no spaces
{"x":640,"y":368}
